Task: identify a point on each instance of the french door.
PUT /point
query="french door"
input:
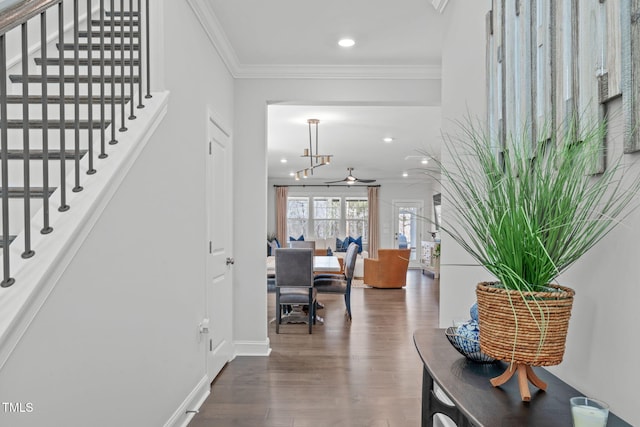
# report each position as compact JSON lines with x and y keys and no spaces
{"x":408,"y":223}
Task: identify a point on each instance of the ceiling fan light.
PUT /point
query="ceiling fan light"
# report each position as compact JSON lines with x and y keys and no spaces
{"x":306,"y":174}
{"x":327,"y":160}
{"x":297,"y":176}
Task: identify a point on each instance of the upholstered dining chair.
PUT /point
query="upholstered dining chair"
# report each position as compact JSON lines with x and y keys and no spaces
{"x":339,"y":283}
{"x":294,"y":282}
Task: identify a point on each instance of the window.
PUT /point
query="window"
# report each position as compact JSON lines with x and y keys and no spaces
{"x":297,"y":216}
{"x":326,"y":216}
{"x":357,"y":218}
{"x":323,"y":217}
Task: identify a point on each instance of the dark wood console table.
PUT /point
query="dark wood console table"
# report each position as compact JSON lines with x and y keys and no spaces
{"x":476,"y":402}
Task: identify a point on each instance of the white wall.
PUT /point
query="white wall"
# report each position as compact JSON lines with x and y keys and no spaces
{"x":250,"y":174}
{"x":116,"y":343}
{"x":602,"y":346}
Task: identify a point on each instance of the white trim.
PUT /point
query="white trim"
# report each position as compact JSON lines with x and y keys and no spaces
{"x":217,"y":37}
{"x":192,"y":402}
{"x":36,"y":278}
{"x":296,"y":71}
{"x":439,"y":5}
{"x":252,"y":348}
{"x":220,"y":42}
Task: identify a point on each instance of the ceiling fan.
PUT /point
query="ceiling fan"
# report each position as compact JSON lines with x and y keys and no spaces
{"x":350,"y":179}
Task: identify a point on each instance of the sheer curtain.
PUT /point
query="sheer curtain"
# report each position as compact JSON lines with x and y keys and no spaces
{"x":281,"y":214}
{"x":374,"y":220}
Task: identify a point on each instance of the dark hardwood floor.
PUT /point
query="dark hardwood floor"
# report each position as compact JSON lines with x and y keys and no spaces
{"x":361,"y":373}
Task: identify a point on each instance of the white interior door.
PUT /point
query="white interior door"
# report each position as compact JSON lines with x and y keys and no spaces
{"x":408,"y":222}
{"x":219,"y":298}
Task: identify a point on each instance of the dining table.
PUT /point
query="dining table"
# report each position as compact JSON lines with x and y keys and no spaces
{"x":329,"y":264}
{"x":324,"y":264}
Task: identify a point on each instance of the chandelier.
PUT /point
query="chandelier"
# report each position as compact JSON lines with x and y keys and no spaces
{"x":315,"y":159}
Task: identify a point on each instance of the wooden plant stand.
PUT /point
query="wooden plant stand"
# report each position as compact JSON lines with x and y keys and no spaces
{"x":525,"y":375}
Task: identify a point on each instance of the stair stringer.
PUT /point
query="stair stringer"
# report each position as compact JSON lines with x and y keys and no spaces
{"x":37,"y":277}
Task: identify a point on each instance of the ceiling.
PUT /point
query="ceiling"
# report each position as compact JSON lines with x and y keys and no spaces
{"x":297,"y":38}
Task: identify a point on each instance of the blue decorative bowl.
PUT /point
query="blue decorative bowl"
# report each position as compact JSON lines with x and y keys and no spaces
{"x":465,"y":339}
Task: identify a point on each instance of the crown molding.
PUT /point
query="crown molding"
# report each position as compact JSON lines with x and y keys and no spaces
{"x":220,"y":42}
{"x":212,"y":27}
{"x":294,"y":71}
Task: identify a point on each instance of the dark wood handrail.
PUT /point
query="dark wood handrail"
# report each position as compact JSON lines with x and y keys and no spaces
{"x":20,"y":13}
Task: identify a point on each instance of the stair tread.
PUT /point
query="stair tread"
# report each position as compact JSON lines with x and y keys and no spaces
{"x":55,"y":124}
{"x":96,"y":46}
{"x":36,"y":78}
{"x":20,"y":191}
{"x":54,"y":99}
{"x":12,"y":237}
{"x":120,"y":13}
{"x":116,"y":22}
{"x":85,"y":61}
{"x":109,"y":33}
{"x":54,"y":154}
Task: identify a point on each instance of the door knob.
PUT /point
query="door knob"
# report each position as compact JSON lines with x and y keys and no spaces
{"x":230,"y":261}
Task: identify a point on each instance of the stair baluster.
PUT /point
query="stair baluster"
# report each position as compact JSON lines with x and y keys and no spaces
{"x":123,"y":127}
{"x":28,"y":252}
{"x":132,"y":91}
{"x":148,"y":51}
{"x":46,"y":227}
{"x":76,"y":94}
{"x":103,"y":153}
{"x":63,"y":166}
{"x":124,"y":49}
{"x":140,"y":104}
{"x":7,"y":280}
{"x":91,"y":170}
{"x":113,"y":73}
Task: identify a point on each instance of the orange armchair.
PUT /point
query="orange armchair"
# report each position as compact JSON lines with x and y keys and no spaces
{"x":389,"y":270}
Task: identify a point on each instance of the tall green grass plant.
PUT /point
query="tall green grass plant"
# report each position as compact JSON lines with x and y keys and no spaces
{"x":528,"y":213}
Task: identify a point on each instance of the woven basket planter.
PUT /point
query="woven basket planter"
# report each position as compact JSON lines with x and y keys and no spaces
{"x":510,"y":324}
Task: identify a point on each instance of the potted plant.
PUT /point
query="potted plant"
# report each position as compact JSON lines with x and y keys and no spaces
{"x":526,"y":215}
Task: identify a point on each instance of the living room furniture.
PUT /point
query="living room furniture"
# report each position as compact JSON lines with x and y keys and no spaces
{"x":294,"y":282}
{"x":331,"y":243}
{"x":473,"y":401}
{"x":339,"y":283}
{"x":389,"y":270}
{"x":430,"y":260}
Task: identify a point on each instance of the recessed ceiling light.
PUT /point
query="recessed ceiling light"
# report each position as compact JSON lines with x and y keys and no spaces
{"x":283,"y":160}
{"x":424,"y":161}
{"x":346,"y":42}
{"x":388,"y":139}
{"x":292,"y":174}
{"x":405,"y":174}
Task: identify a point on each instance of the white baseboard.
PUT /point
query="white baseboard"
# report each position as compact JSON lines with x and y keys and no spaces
{"x":253,"y":348}
{"x":192,"y":402}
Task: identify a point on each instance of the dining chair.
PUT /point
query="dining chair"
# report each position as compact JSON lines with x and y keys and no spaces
{"x":302,"y":244}
{"x":294,"y":282}
{"x":339,"y":283}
